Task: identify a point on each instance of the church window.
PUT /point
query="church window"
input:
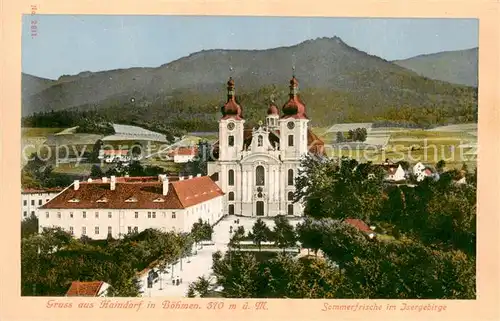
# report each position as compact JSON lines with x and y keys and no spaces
{"x":231,"y":177}
{"x":260,"y":141}
{"x":290,"y":196}
{"x":231,"y":209}
{"x":290,"y":140}
{"x":231,"y":196}
{"x":290,"y":177}
{"x":259,"y":176}
{"x":290,"y":209}
{"x":230,"y":141}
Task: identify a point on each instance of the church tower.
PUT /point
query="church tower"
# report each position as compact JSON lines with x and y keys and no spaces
{"x":273,"y":115}
{"x":231,"y":127}
{"x":293,"y":125}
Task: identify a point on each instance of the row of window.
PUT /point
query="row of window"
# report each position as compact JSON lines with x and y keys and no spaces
{"x":110,"y":214}
{"x":260,"y":176}
{"x":40,"y":202}
{"x":25,"y":213}
{"x":260,"y":140}
{"x":96,"y":230}
{"x":230,"y":196}
{"x":289,"y":209}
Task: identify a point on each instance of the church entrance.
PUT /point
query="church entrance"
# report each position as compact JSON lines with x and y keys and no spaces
{"x":259,"y":208}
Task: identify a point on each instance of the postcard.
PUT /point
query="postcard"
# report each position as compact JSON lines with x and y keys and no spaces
{"x":220,"y":160}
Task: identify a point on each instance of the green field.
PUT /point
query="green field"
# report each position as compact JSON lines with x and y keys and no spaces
{"x":28,"y":132}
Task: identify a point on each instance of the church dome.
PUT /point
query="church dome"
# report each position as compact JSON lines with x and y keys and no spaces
{"x":231,"y":108}
{"x":294,"y":107}
{"x":273,"y":110}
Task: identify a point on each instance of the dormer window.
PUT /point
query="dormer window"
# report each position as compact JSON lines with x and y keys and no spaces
{"x":102,"y":200}
{"x":131,"y":200}
{"x":159,"y":200}
{"x":74,"y":200}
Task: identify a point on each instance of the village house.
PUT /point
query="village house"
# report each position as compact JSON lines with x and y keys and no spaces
{"x":183,"y":154}
{"x":361,"y":226}
{"x":115,"y":207}
{"x":32,"y":199}
{"x":92,"y":289}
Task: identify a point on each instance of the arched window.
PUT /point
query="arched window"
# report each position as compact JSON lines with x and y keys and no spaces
{"x":231,"y":196}
{"x":290,"y":196}
{"x":260,"y":141}
{"x":230,"y":179}
{"x":259,"y":176}
{"x":290,"y":177}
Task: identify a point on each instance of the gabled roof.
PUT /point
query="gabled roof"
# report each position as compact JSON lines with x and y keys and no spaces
{"x":148,"y":195}
{"x":359,"y":224}
{"x":78,"y":288}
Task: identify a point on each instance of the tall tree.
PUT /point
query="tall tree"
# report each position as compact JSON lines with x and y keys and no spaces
{"x":283,"y":233}
{"x":260,"y":232}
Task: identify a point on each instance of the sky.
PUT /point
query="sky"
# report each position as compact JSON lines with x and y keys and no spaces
{"x":69,"y":44}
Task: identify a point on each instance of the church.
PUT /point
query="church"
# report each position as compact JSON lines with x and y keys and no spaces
{"x":256,"y":167}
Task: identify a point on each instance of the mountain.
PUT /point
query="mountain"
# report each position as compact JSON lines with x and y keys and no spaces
{"x":457,"y":67}
{"x":337,"y":82}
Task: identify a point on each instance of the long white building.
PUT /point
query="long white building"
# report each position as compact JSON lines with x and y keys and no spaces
{"x":117,"y":207}
{"x":257,"y":167}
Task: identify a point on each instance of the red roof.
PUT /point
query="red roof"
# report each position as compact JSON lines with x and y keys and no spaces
{"x":136,"y":195}
{"x":294,"y":107}
{"x":115,"y":152}
{"x":44,"y":190}
{"x":359,"y":224}
{"x":231,"y":109}
{"x":184,"y":151}
{"x":78,"y":288}
{"x":273,"y":110}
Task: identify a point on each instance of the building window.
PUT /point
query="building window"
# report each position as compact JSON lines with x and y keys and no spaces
{"x":173,"y":214}
{"x":110,"y":230}
{"x":39,"y":202}
{"x":25,"y":202}
{"x":33,"y":213}
{"x":136,"y":214}
{"x":47,"y":214}
{"x":290,"y":196}
{"x":96,"y":214}
{"x":230,"y":140}
{"x":231,"y":177}
{"x":259,"y":176}
{"x":110,"y":215}
{"x":290,"y":177}
{"x":231,"y":209}
{"x":71,"y":214}
{"x":149,"y":214}
{"x":154,"y":214}
{"x":84,"y":230}
{"x":231,"y":196}
{"x":96,"y":230}
{"x":32,"y":202}
{"x":129,"y":229}
{"x":84,"y":214}
{"x":290,"y":209}
{"x":58,"y":214}
{"x":25,"y":213}
{"x":136,"y":229}
{"x":290,"y":140}
{"x":71,"y":231}
{"x":260,"y":141}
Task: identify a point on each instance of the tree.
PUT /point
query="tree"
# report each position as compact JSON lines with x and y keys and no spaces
{"x":440,"y":166}
{"x":260,"y":232}
{"x":96,"y":171}
{"x":29,"y":226}
{"x":237,"y":237}
{"x":340,"y":137}
{"x":202,"y":287}
{"x":283,"y":233}
{"x":309,"y":234}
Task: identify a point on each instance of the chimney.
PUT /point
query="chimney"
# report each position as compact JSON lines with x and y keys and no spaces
{"x":165,"y":186}
{"x":181,"y":178}
{"x":113,"y":183}
{"x":190,"y":176}
{"x":89,"y":180}
{"x":76,"y":185}
{"x":104,"y":179}
{"x":198,"y":175}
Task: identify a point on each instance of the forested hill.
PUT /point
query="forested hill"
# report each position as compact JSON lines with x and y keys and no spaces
{"x":337,"y":82}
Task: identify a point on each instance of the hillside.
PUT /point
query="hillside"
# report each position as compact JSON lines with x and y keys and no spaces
{"x":457,"y":67}
{"x":338,"y":83}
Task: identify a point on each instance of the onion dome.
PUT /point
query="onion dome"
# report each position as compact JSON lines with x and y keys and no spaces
{"x":231,"y":109}
{"x":294,"y":107}
{"x":273,"y":110}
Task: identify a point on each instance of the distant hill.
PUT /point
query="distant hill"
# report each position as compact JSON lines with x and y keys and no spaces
{"x":337,"y":83}
{"x":457,"y":67}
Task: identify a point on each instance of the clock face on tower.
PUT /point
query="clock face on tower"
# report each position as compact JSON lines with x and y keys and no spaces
{"x":230,"y":126}
{"x":290,"y":125}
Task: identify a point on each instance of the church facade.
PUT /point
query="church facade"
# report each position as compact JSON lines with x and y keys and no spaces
{"x":256,"y":167}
